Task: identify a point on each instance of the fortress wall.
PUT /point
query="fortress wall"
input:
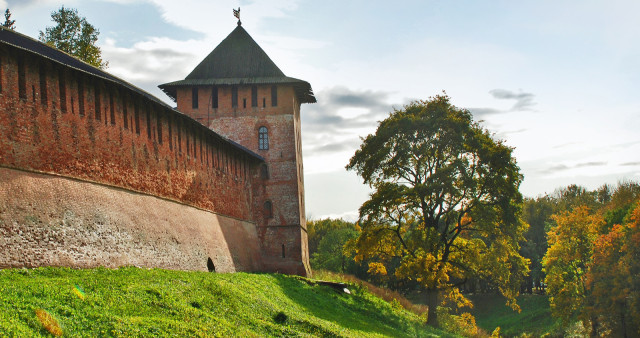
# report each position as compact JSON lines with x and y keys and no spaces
{"x":56,"y":119}
{"x":56,"y":221}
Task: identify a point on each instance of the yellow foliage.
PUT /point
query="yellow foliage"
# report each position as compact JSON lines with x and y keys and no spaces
{"x":377,"y":269}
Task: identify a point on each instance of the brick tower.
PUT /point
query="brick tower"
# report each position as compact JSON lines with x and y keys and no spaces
{"x":241,"y":94}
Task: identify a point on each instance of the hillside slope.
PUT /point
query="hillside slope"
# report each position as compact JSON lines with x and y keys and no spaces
{"x":140,"y":302}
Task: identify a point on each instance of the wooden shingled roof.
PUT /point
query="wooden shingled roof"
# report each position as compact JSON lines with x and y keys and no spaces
{"x":239,"y":60}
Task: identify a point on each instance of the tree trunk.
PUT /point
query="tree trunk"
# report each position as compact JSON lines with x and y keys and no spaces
{"x":594,"y":326}
{"x":432,"y":303}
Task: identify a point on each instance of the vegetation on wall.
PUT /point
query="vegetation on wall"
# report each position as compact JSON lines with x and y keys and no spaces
{"x":74,"y":35}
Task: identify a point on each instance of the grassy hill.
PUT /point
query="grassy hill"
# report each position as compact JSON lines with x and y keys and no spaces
{"x":534,"y":320}
{"x":133,"y":302}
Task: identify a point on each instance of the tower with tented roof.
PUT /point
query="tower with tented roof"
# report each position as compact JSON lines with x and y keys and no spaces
{"x":240,"y":93}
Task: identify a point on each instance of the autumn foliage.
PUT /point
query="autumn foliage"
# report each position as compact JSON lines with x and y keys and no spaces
{"x":593,"y":265}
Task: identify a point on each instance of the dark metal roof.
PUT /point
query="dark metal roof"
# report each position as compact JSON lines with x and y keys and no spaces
{"x":239,"y":60}
{"x":26,"y":43}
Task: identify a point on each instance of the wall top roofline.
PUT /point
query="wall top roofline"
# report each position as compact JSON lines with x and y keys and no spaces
{"x":33,"y":46}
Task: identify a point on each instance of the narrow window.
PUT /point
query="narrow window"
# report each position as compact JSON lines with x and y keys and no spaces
{"x":33,"y":93}
{"x":195,"y":147}
{"x":62,"y":88}
{"x":263,"y":138}
{"x":274,"y":96}
{"x":112,"y":109}
{"x":264,"y":171}
{"x":148,"y":123}
{"x":125,"y":115}
{"x":22,"y":82}
{"x":244,"y":103}
{"x":283,"y":251}
{"x":43,"y":85}
{"x":159,"y":127}
{"x":234,"y":97}
{"x":268,"y":209}
{"x":254,"y":96}
{"x":179,"y":130}
{"x":169,"y":122}
{"x":96,"y":101}
{"x":214,"y":97}
{"x":136,"y":116}
{"x":80,"y":97}
{"x":194,"y":98}
{"x":264,"y":102}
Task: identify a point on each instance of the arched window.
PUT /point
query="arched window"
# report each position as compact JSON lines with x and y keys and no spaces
{"x":263,"y":138}
{"x":268,"y":209}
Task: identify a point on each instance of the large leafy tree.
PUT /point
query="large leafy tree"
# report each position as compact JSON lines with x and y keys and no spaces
{"x":445,"y":202}
{"x":74,"y":35}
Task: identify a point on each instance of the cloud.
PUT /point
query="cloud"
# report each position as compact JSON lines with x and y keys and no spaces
{"x":523,"y":102}
{"x":333,"y":124}
{"x":565,"y":167}
{"x":565,"y":145}
{"x":631,"y":164}
{"x":341,"y":108}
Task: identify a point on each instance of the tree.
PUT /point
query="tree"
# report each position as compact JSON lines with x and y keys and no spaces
{"x":612,"y":278}
{"x":331,"y":254}
{"x":327,"y":238}
{"x":445,"y":201}
{"x":8,"y":23}
{"x":567,"y":261}
{"x":74,"y":35}
{"x":537,"y":213}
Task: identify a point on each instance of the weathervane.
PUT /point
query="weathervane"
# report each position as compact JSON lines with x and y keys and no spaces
{"x":236,"y":13}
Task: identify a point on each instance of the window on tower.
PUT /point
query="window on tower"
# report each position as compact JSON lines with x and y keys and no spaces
{"x":263,"y":138}
{"x":254,"y":96}
{"x":234,"y":97}
{"x":194,"y":98}
{"x":274,"y":96}
{"x":214,"y":97}
{"x":268,"y":209}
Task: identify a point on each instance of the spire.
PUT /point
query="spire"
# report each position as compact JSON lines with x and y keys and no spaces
{"x":238,"y":59}
{"x":236,"y":13}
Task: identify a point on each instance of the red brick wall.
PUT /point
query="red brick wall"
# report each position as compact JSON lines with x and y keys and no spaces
{"x":48,"y":220}
{"x":145,"y":147}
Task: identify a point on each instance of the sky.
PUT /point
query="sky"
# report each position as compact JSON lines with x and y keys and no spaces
{"x":559,"y":81}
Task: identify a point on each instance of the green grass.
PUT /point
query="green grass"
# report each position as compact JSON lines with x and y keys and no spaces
{"x":132,"y":302}
{"x":535,"y":319}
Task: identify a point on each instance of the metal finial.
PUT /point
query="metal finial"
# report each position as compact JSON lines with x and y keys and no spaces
{"x":236,"y":13}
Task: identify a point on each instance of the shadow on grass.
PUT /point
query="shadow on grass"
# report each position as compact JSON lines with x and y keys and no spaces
{"x":356,"y":312}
